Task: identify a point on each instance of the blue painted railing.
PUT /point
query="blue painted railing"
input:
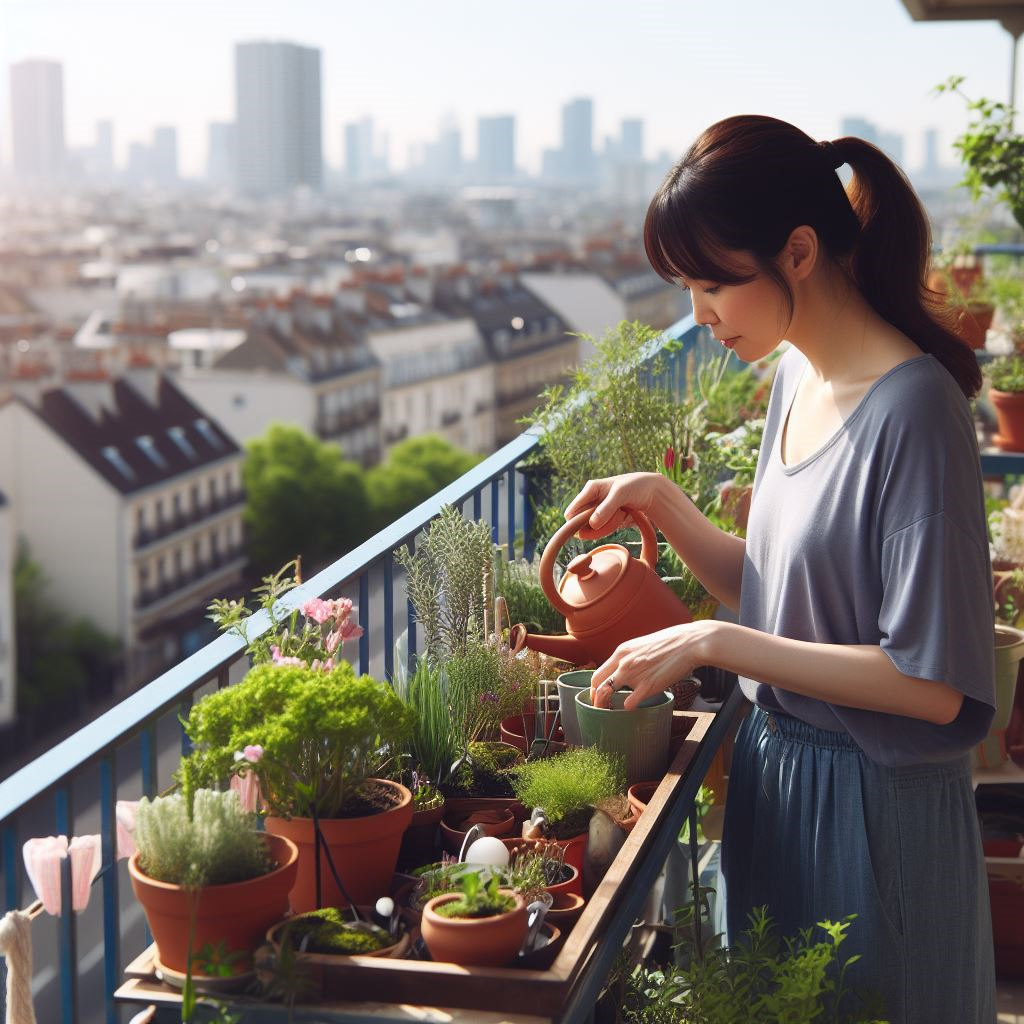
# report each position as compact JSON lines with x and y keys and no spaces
{"x":90,"y":765}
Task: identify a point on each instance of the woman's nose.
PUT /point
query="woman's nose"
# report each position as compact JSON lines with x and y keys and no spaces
{"x":703,"y":315}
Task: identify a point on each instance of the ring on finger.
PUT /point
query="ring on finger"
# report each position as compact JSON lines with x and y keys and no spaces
{"x":610,"y":683}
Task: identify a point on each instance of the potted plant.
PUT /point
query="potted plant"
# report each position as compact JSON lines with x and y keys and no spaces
{"x":209,"y":883}
{"x":318,"y":741}
{"x":567,"y":787}
{"x":327,"y":933}
{"x":1007,"y":396}
{"x":482,"y":924}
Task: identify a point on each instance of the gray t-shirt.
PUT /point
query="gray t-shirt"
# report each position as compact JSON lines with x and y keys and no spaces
{"x":879,"y":538}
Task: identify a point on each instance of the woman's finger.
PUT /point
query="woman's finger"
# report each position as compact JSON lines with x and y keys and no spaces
{"x":593,"y":491}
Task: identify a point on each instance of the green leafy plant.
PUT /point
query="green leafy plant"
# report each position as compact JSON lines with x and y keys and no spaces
{"x":317,"y":640}
{"x":478,"y":898}
{"x":433,"y":745}
{"x":518,"y":582}
{"x":448,"y":582}
{"x":217,"y":961}
{"x":486,"y":770}
{"x":531,"y":870}
{"x":763,"y":979}
{"x":1007,"y":374}
{"x":328,"y":931}
{"x":568,"y":786}
{"x":320,"y":737}
{"x":991,"y":150}
{"x":213,"y":843}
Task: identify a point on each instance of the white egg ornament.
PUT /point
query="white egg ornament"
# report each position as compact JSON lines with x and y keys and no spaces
{"x":488,"y":850}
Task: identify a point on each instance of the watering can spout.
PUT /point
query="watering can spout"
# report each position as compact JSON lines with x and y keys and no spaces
{"x":564,"y":647}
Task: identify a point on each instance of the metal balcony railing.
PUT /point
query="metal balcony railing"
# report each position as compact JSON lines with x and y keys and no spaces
{"x":132,"y":749}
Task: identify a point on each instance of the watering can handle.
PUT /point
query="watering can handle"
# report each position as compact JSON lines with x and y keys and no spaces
{"x":648,"y":551}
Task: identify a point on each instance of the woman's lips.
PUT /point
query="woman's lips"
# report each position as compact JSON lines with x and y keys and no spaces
{"x":730,"y":342}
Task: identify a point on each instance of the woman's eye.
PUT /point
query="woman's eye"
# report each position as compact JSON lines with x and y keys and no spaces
{"x":713,"y":291}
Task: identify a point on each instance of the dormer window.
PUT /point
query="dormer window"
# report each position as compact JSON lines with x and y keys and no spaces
{"x":148,"y":447}
{"x":209,"y":435}
{"x":116,"y":459}
{"x":184,"y":445}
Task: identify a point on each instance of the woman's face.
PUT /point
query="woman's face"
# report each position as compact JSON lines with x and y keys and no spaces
{"x":750,"y":319}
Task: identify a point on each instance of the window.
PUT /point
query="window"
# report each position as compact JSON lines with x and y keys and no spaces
{"x":148,"y":448}
{"x":184,"y":445}
{"x":178,"y":563}
{"x":116,"y":459}
{"x":158,"y":508}
{"x":140,"y":517}
{"x":176,"y":505}
{"x":194,"y":497}
{"x":209,"y":435}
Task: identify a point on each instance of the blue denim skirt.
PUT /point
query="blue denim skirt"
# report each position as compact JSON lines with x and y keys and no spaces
{"x":816,"y":831}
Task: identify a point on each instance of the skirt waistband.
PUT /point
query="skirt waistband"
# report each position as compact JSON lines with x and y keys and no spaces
{"x":785,"y":727}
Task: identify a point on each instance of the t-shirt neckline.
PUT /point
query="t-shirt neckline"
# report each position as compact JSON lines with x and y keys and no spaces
{"x":843,"y":427}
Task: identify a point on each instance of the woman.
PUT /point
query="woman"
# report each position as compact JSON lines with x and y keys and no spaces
{"x":863,"y":588}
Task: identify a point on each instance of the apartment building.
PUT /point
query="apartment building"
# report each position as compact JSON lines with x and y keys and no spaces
{"x":130,"y":498}
{"x":436,"y":375}
{"x":8,"y":664}
{"x":300,"y":363}
{"x":527,"y":341}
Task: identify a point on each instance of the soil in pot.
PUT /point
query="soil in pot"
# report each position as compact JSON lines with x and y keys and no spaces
{"x":364,"y":851}
{"x":237,"y":914}
{"x":485,"y":941}
{"x":330,"y":933}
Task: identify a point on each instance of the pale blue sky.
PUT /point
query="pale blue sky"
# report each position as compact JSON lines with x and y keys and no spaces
{"x":679,"y":65}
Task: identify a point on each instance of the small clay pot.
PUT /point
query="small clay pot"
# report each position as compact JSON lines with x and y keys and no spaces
{"x":484,"y":942}
{"x":639,"y":795}
{"x":566,"y":909}
{"x":1009,"y":408}
{"x":495,"y":822}
{"x":420,"y":839}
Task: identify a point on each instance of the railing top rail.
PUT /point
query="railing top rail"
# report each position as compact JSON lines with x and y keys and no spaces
{"x":117,"y":725}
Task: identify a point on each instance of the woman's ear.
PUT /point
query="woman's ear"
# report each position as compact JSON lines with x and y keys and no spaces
{"x":799,"y":255}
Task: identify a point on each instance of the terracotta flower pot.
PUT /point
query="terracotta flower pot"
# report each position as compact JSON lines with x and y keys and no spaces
{"x":973,"y":323}
{"x":237,"y":914}
{"x":639,"y":795}
{"x":513,"y":726}
{"x":484,"y":942}
{"x":466,"y":805}
{"x":364,"y":851}
{"x":566,"y":909}
{"x":574,"y":883}
{"x":736,"y":501}
{"x":420,"y":840}
{"x":1009,"y":408}
{"x":454,"y":826}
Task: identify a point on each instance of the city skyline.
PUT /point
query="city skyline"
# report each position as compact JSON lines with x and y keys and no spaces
{"x":409,"y":71}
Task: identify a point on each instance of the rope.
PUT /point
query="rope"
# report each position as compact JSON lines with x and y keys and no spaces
{"x":16,"y":945}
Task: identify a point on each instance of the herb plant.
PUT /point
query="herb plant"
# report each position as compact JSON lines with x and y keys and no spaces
{"x":433,"y":744}
{"x":216,"y":844}
{"x":568,"y":785}
{"x":1007,"y":374}
{"x":479,"y":898}
{"x":322,"y":735}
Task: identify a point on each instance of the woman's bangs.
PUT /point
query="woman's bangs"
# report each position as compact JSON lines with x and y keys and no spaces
{"x":682,"y":244}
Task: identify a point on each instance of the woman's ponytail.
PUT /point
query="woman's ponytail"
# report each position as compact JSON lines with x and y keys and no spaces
{"x":889,"y":260}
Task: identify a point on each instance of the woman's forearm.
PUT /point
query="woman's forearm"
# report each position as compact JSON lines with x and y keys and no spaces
{"x":856,"y":676}
{"x":712,"y":555}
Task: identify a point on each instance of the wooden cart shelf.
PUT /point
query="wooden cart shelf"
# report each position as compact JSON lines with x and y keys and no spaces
{"x":412,"y":990}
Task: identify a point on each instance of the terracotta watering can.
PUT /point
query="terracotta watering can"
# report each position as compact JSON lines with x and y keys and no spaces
{"x":607,"y":596}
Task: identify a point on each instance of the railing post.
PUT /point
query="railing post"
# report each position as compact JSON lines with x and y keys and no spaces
{"x":10,"y":867}
{"x":68,"y":956}
{"x":364,"y":621}
{"x":495,"y":513}
{"x":410,"y":612}
{"x":510,"y":526}
{"x":389,"y":617}
{"x":108,"y":838}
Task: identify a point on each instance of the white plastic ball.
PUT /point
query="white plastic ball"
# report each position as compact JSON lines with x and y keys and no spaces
{"x":385,"y":906}
{"x":488,"y":850}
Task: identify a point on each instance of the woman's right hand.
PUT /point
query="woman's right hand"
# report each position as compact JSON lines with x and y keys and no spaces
{"x":642,"y":491}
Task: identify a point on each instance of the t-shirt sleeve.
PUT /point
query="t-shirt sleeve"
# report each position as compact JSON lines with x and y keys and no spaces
{"x":936,"y":617}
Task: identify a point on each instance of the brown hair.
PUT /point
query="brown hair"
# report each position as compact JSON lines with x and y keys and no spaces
{"x":748,"y":181}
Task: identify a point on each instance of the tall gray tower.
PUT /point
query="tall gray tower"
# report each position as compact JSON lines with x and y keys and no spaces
{"x":496,"y":148}
{"x":277,"y":114}
{"x":37,"y":120}
{"x":578,"y":140}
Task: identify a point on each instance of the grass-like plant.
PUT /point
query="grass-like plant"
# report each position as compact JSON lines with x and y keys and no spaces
{"x":447,"y":582}
{"x":322,"y":735}
{"x":433,"y":743}
{"x":568,"y":786}
{"x":216,"y":844}
{"x":478,"y":898}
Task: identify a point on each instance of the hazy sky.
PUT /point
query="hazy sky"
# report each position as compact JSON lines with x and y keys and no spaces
{"x":679,"y":65}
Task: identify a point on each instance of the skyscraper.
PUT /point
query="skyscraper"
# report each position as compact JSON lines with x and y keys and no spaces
{"x":104,"y":161}
{"x":277,"y":114}
{"x":578,"y":140}
{"x":931,"y":150}
{"x":632,"y":145}
{"x":220,"y":154}
{"x":165,"y":155}
{"x":37,"y":120}
{"x":359,"y":150}
{"x":496,"y":148}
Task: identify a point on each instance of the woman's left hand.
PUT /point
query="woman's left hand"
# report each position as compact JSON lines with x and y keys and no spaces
{"x":651,"y":664}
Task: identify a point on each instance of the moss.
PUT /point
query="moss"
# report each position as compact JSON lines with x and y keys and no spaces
{"x":459,"y":908}
{"x":327,"y":931}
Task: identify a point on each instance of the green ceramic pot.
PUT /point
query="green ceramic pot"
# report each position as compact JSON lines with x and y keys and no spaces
{"x":1009,"y":642}
{"x":642,"y":736}
{"x":569,"y":684}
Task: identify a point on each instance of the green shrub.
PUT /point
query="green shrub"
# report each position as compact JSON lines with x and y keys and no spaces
{"x":568,"y":785}
{"x":322,"y":734}
{"x":216,"y":845}
{"x":1007,"y":374}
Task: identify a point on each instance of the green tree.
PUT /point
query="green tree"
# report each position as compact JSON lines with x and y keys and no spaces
{"x":58,"y":657}
{"x":303,"y":498}
{"x":416,"y":469}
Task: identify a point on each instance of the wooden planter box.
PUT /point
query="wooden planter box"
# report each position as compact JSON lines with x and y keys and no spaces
{"x":542,"y":994}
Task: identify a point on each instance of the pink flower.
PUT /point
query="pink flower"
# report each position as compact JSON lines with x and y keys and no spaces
{"x":318,"y":610}
{"x":332,"y":641}
{"x":247,"y":786}
{"x":670,"y":457}
{"x":325,"y":666}
{"x":279,"y":659}
{"x":86,"y":856}
{"x":43,"y":858}
{"x":253,"y":753}
{"x":125,"y":814}
{"x":341,"y":609}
